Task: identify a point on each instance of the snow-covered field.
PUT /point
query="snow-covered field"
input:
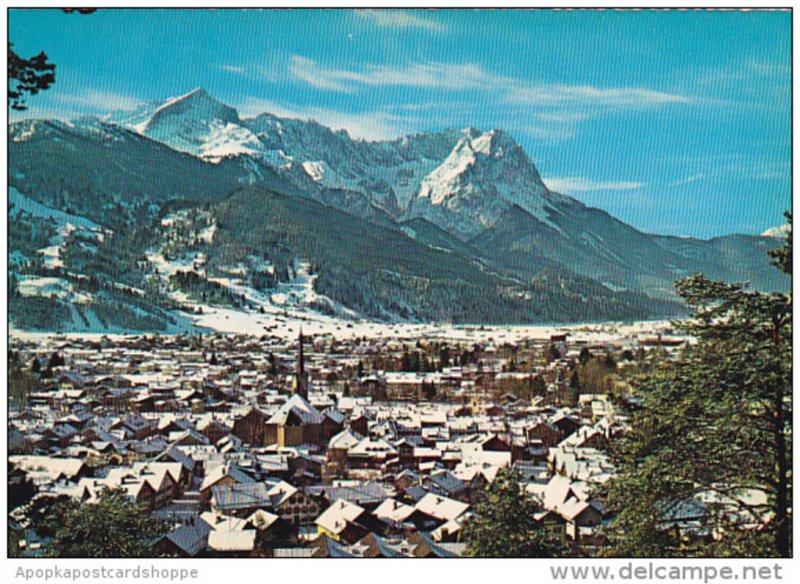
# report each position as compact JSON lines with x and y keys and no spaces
{"x":287,"y":327}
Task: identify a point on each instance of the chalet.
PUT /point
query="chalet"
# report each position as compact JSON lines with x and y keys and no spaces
{"x":240,"y":499}
{"x":226,"y":474}
{"x":369,"y":453}
{"x":567,"y":424}
{"x":341,"y":443}
{"x":185,"y":541}
{"x":138,"y":427}
{"x":345,"y":522}
{"x":549,"y":434}
{"x":291,"y":504}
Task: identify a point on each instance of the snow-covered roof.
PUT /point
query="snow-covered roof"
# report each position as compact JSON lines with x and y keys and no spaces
{"x":345,"y":440}
{"x":440,"y":507}
{"x":393,"y":510}
{"x":46,"y":468}
{"x":232,"y":541}
{"x":299,"y":406}
{"x":336,"y":517}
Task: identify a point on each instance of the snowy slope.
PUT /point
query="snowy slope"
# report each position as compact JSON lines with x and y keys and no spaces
{"x":295,"y":299}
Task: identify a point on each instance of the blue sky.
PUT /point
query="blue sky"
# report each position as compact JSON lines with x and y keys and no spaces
{"x":676,"y":122}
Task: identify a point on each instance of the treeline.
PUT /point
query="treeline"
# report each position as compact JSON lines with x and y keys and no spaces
{"x":386,"y":295}
{"x":206,"y":291}
{"x":107,"y":309}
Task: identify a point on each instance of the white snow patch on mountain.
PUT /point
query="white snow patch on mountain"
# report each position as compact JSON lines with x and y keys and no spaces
{"x":207,"y":234}
{"x":778,"y":231}
{"x":316,"y":170}
{"x":194,"y":123}
{"x":226,"y":139}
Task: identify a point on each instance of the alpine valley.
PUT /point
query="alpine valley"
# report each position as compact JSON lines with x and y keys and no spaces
{"x":155,"y":219}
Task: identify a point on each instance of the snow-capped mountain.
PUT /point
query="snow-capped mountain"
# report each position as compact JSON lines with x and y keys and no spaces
{"x":195,"y":123}
{"x":484,"y":175}
{"x":460,"y":180}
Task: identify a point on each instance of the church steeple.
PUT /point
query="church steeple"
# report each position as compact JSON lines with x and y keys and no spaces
{"x":300,"y":381}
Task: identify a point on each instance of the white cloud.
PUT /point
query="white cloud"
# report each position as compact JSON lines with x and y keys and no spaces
{"x":589,"y":95}
{"x":690,"y":179}
{"x":400,"y":19}
{"x":238,"y":69}
{"x":307,"y":70}
{"x":552,"y":112}
{"x":747,"y":70}
{"x":471,"y":76}
{"x":433,"y":75}
{"x":371,"y":125}
{"x":576,"y":184}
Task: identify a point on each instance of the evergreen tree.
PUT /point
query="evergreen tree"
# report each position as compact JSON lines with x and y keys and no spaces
{"x":428,"y":390}
{"x":113,"y":527}
{"x":713,"y":433}
{"x":27,"y":77}
{"x":416,"y":362}
{"x":30,"y":76}
{"x":56,"y":360}
{"x":505,"y":524}
{"x":405,"y":361}
{"x":575,"y":382}
{"x":782,"y":257}
{"x":551,"y":353}
{"x":273,"y":363}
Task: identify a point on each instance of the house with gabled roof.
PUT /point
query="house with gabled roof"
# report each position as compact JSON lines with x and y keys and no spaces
{"x":393,"y":511}
{"x":344,"y":522}
{"x":239,"y":499}
{"x":185,"y":541}
{"x":251,"y":427}
{"x":291,"y":503}
{"x":225,"y":474}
